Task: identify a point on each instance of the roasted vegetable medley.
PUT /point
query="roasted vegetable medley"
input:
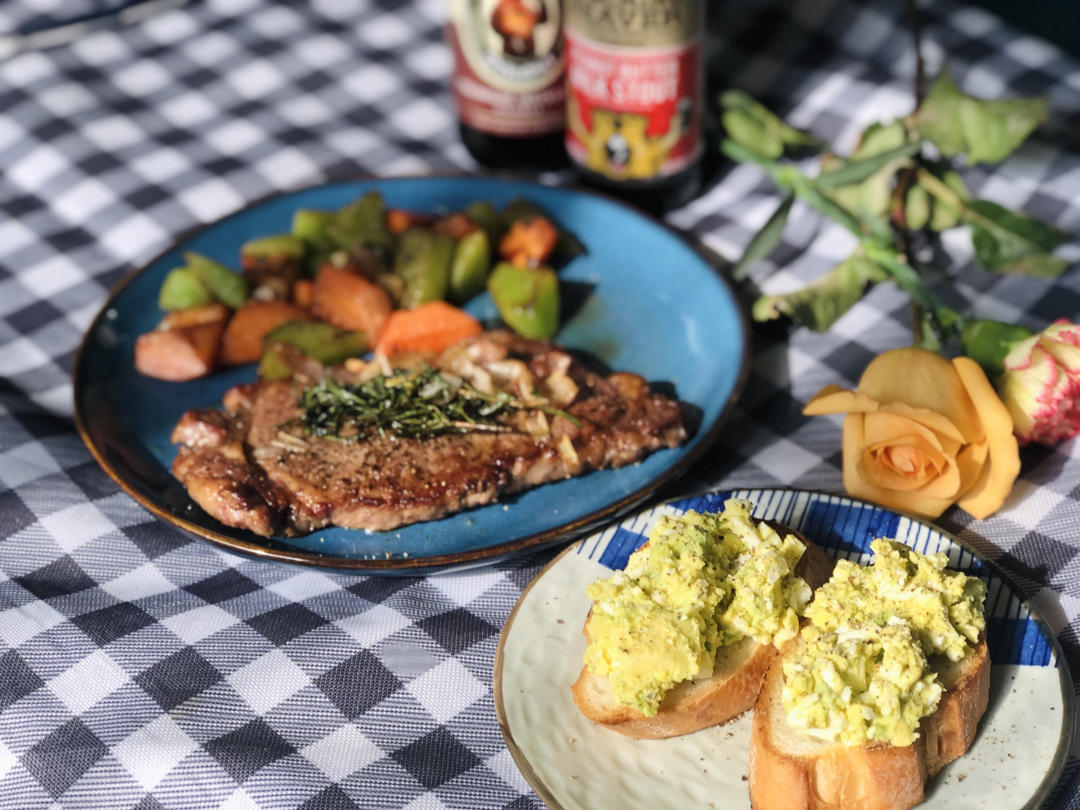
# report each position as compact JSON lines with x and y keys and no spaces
{"x":359,"y":279}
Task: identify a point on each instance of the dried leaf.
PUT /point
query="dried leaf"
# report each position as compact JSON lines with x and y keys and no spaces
{"x":987,"y":130}
{"x":819,"y":305}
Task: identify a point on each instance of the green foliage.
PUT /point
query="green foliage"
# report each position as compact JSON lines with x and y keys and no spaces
{"x":883,"y":150}
{"x":987,"y":343}
{"x":924,"y":211}
{"x":987,"y":131}
{"x":862,"y":169}
{"x":764,"y":241}
{"x":412,"y":404}
{"x":819,"y":305}
{"x":887,"y":184}
{"x":751,"y":124}
{"x":1008,"y":242}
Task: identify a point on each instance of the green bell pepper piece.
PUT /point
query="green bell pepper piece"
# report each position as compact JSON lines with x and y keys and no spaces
{"x":310,"y":225}
{"x":276,"y":249}
{"x":182,"y":289}
{"x":316,"y":339}
{"x":470,"y":265}
{"x":362,"y":223}
{"x":484,"y":215}
{"x":228,"y":287}
{"x":423,"y":262}
{"x":527,"y":298}
{"x":273,"y":263}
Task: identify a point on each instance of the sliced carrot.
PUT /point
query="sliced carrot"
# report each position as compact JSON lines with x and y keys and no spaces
{"x":194,"y":316}
{"x":243,"y":338}
{"x":430,"y":328}
{"x":349,"y":301}
{"x":398,"y":220}
{"x":181,"y":353}
{"x":529,"y":242}
{"x":302,"y":292}
{"x":455,"y":225}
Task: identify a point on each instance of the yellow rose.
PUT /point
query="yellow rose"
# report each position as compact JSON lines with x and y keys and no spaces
{"x":922,"y":433}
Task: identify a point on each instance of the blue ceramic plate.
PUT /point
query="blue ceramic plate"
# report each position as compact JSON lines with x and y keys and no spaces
{"x":1015,"y":761}
{"x":646,"y":301}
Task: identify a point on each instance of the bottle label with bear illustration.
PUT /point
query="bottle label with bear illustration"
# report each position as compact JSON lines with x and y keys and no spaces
{"x":634,"y":86}
{"x":508,"y":65}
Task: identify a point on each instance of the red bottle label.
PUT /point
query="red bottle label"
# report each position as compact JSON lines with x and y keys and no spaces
{"x":633,"y":113}
{"x":508,"y":65}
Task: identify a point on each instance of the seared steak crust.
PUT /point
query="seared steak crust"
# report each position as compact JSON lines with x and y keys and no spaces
{"x":253,"y":467}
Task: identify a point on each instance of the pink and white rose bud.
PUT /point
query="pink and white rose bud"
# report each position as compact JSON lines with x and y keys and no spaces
{"x":1041,"y":384}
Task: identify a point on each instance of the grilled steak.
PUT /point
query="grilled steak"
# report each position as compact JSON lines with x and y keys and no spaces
{"x":254,"y":466}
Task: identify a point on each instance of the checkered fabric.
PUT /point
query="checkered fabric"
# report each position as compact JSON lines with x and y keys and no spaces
{"x":140,"y":668}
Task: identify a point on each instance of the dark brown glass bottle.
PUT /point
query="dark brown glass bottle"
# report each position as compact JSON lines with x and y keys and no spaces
{"x":510,"y":152}
{"x":508,"y":81}
{"x":634,"y":73}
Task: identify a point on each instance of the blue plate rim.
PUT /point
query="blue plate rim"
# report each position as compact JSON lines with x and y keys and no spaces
{"x":1061,"y":754}
{"x":564,"y":533}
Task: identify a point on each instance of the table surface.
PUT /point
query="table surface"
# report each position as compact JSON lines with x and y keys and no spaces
{"x":141,"y":668}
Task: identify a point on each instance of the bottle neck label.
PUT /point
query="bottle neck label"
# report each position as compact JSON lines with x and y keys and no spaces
{"x":508,"y":65}
{"x":634,"y":96}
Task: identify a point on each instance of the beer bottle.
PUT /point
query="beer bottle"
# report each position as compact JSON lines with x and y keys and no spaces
{"x":634,"y":76}
{"x":508,"y":80}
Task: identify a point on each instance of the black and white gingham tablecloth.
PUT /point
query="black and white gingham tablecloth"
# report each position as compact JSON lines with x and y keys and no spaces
{"x":140,"y":668}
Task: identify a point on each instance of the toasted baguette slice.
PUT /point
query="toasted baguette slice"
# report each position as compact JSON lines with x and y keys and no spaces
{"x":693,"y":705}
{"x":790,"y":770}
{"x":690,"y":705}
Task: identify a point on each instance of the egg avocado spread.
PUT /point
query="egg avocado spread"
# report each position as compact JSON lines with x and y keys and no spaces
{"x":703,"y":581}
{"x":862,"y":671}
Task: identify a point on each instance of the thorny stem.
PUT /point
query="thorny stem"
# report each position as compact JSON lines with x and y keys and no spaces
{"x":898,"y":215}
{"x":907,"y":177}
{"x":916,"y":40}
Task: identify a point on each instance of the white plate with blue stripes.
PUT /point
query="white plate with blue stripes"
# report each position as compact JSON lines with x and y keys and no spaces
{"x":1015,"y":762}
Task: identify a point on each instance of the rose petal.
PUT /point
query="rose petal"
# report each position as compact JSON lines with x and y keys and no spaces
{"x":922,"y":379}
{"x":1002,"y":465}
{"x":913,"y":467}
{"x":883,"y":427}
{"x":834,"y":399}
{"x":884,"y":467}
{"x":901,"y":454}
{"x":859,"y":487}
{"x":937,"y":422}
{"x":969,"y":463}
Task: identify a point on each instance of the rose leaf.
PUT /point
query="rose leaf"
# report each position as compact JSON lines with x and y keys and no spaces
{"x":987,"y":130}
{"x":765,"y":240}
{"x":753,"y":125}
{"x":819,"y":305}
{"x":863,"y":184}
{"x":1008,"y":242}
